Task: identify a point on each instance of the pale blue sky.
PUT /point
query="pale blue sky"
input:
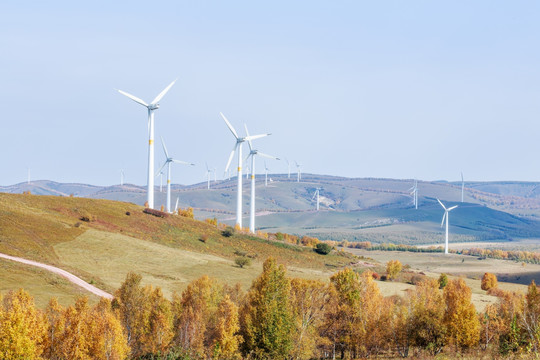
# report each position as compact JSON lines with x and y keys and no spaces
{"x":396,"y":89}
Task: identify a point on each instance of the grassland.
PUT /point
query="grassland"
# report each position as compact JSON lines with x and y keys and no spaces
{"x":119,"y":238}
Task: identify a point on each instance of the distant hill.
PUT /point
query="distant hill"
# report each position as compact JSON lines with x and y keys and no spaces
{"x":378,"y":210}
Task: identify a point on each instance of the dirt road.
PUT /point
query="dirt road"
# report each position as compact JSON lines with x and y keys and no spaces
{"x":74,"y":279}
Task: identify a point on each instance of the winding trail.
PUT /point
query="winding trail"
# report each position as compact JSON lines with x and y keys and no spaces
{"x":72,"y":278}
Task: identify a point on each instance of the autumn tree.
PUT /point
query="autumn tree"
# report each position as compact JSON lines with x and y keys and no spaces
{"x":159,"y":332}
{"x":463,"y":327}
{"x":22,"y":327}
{"x":106,"y":335}
{"x":75,"y":341}
{"x":393,"y":268}
{"x":226,"y":339}
{"x":491,"y":327}
{"x":443,"y":281}
{"x":54,"y":314}
{"x":195,"y":316}
{"x":309,"y":300}
{"x":267,"y":319}
{"x":426,"y":312}
{"x":489,"y":281}
{"x":530,"y":320}
{"x":131,"y":300}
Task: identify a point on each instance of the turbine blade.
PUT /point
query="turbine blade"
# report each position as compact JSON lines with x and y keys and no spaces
{"x":162,"y":94}
{"x":267,"y":156}
{"x":444,"y":207}
{"x":134,"y":98}
{"x":207,"y":169}
{"x":176,"y":206}
{"x":182,"y":162}
{"x":452,"y":208}
{"x":231,"y":156}
{"x":444,"y":217}
{"x":229,"y":125}
{"x":462,"y":177}
{"x":164,"y":148}
{"x":248,"y":138}
{"x":161,"y":168}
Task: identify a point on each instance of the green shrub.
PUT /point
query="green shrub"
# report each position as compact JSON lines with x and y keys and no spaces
{"x":242,"y":261}
{"x":228,"y":232}
{"x":443,"y":281}
{"x":323,"y":248}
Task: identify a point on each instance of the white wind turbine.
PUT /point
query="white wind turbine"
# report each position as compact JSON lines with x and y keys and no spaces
{"x":298,"y":174}
{"x":265,"y":174}
{"x":288,"y":168}
{"x":252,"y":153}
{"x":28,"y":179}
{"x":154,"y":105}
{"x":121,"y":177}
{"x":316,"y":194}
{"x":238,"y":148}
{"x":168,"y":163}
{"x":160,"y":174}
{"x":462,"y":187}
{"x":414,"y":193}
{"x":208,"y":174}
{"x":445,"y":216}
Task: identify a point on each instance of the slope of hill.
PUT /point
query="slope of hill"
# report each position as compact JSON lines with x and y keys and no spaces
{"x":118,"y":238}
{"x":368,"y":208}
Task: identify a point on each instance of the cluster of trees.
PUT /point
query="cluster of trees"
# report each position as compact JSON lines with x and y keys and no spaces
{"x":515,"y":255}
{"x":278,"y":318}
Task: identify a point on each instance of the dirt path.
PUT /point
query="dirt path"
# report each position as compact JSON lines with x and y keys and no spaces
{"x":74,"y":279}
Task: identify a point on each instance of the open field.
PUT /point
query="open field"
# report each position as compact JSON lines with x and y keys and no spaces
{"x":110,"y":257}
{"x":40,"y":283}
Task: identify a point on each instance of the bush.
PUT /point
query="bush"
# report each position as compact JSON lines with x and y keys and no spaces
{"x":228,"y":232}
{"x":212,"y":221}
{"x":443,"y":281}
{"x":128,"y":213}
{"x":417,"y":279}
{"x":489,"y":281}
{"x":155,"y":213}
{"x":242,"y":261}
{"x":203,"y":238}
{"x":393,"y":268}
{"x":323,"y":248}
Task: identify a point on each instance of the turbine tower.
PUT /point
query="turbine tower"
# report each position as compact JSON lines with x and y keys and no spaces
{"x":160,"y":174}
{"x":208,"y":172}
{"x":252,"y":154}
{"x":298,"y":174}
{"x":265,"y":174}
{"x":317,"y":192}
{"x":288,"y":168}
{"x":168,"y":163}
{"x":154,"y":105}
{"x":414,"y":193}
{"x":121,"y":177}
{"x":238,"y":148}
{"x":445,"y":216}
{"x":462,"y":187}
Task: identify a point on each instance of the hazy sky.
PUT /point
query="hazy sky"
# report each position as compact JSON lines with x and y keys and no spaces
{"x":398,"y":89}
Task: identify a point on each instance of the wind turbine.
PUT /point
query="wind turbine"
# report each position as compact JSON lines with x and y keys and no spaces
{"x":121,"y":177}
{"x":317,"y":191}
{"x":462,"y":187}
{"x":28,"y":179}
{"x":252,"y":153}
{"x":298,"y":174}
{"x":208,"y":172}
{"x":265,"y":174}
{"x":445,"y":216}
{"x":160,"y":174}
{"x":238,"y":148}
{"x":288,"y":168}
{"x":168,"y":163}
{"x":414,"y":193}
{"x":154,"y":105}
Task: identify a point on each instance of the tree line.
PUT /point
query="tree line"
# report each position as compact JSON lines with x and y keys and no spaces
{"x":277,"y":318}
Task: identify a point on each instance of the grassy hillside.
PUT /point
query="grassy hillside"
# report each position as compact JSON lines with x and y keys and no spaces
{"x":121,"y":238}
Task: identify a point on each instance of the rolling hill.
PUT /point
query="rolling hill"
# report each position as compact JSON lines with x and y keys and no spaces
{"x":378,"y":210}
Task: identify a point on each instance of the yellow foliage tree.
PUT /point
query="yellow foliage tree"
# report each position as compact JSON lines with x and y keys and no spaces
{"x":226,"y":338}
{"x":309,"y":300}
{"x":393,"y":268}
{"x":489,"y":281}
{"x":463,"y":327}
{"x":56,"y":323}
{"x":159,"y":331}
{"x":107,"y":338}
{"x":22,"y":327}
